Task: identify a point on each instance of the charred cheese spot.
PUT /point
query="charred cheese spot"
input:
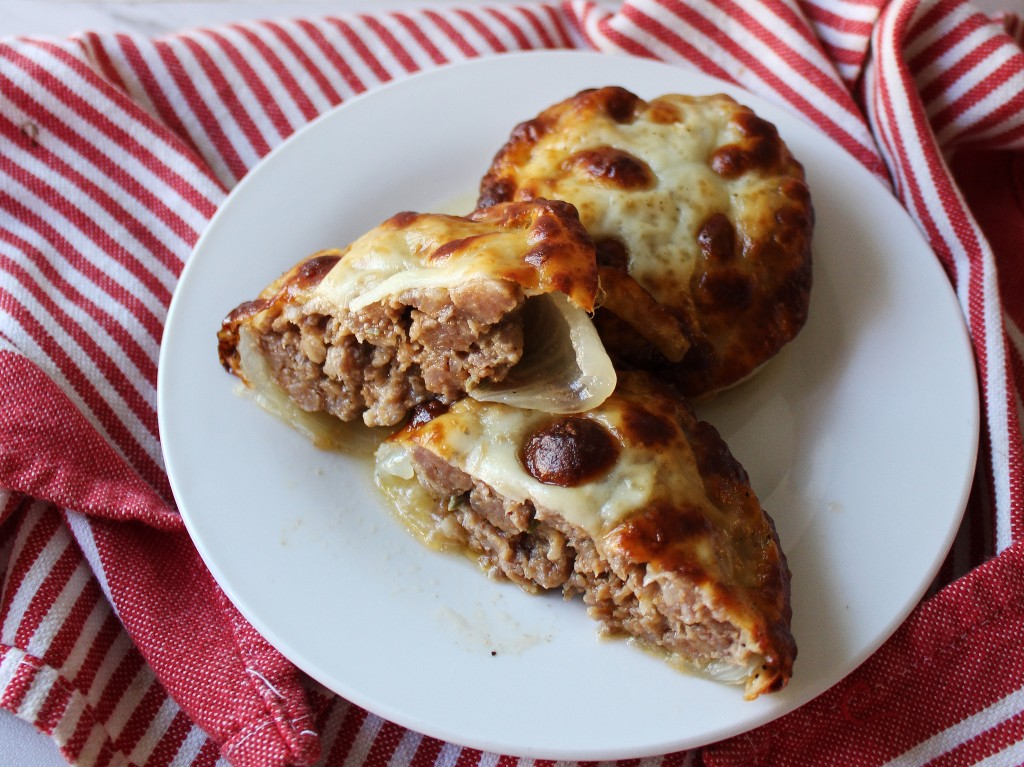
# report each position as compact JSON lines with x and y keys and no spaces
{"x":401,"y":220}
{"x":427,"y":411}
{"x":663,"y":112}
{"x":642,"y":427}
{"x":618,"y":103}
{"x":246,"y":310}
{"x":613,"y":167}
{"x":658,"y":534}
{"x":530,"y":131}
{"x":454,"y":246}
{"x":494,"y":191}
{"x":569,"y":452}
{"x":312,"y":271}
{"x":717,"y":238}
{"x":760,"y":150}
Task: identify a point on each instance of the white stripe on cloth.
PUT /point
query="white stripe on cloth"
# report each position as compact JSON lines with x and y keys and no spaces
{"x":363,"y":741}
{"x":109,"y":116}
{"x":82,"y":531}
{"x":37,"y":572}
{"x":920,"y":175}
{"x":91,"y":384}
{"x":190,"y":748}
{"x":962,"y":732}
{"x":156,"y":730}
{"x":59,"y":610}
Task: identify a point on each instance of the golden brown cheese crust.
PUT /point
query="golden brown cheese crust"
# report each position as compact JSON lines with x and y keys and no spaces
{"x":699,"y":200}
{"x":538,"y":245}
{"x":654,"y":487}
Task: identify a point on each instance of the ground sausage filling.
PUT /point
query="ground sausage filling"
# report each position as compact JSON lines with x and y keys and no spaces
{"x":539,"y":550}
{"x":382,"y":360}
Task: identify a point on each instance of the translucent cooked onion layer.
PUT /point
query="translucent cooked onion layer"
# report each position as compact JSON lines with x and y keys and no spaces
{"x":564,"y":368}
{"x":323,"y":430}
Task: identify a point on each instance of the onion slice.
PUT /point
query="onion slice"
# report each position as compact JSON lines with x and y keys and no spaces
{"x":564,"y":367}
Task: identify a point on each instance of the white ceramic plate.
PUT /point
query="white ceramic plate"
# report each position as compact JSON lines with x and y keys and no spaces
{"x":860,"y":439}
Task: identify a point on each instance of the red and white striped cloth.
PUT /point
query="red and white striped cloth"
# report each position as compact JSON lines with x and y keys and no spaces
{"x":115,"y":151}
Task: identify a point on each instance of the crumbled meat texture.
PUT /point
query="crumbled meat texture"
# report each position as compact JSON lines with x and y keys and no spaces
{"x":539,"y":550}
{"x":387,"y":357}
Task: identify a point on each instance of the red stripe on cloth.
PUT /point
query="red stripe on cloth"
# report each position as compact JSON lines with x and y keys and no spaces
{"x":75,"y":254}
{"x":350,"y":726}
{"x":39,"y":421}
{"x":1010,"y":109}
{"x":900,"y":88}
{"x":384,"y":744}
{"x":339,"y":64}
{"x":44,"y":599}
{"x":795,"y":23}
{"x":243,"y":691}
{"x":666,"y":36}
{"x":476,"y":22}
{"x":82,"y":732}
{"x":208,"y":755}
{"x":65,"y":642}
{"x":142,"y":716}
{"x":523,"y":42}
{"x":362,"y":50}
{"x":843,"y":56}
{"x":92,"y":45}
{"x":985,"y":745}
{"x":427,"y":752}
{"x":106,"y":639}
{"x":833,"y":20}
{"x":939,"y":86}
{"x":32,"y":534}
{"x":557,"y":25}
{"x":421,"y":38}
{"x":468,"y":757}
{"x":69,"y":295}
{"x":395,"y":48}
{"x":110,"y":371}
{"x":225,"y":94}
{"x":449,"y":31}
{"x":107,"y":693}
{"x":171,"y":742}
{"x":941,"y":44}
{"x":272,"y":112}
{"x":117,"y":209}
{"x":282,"y":71}
{"x":540,"y":29}
{"x":202,"y":111}
{"x":94,"y":117}
{"x":53,"y":708}
{"x":155,"y":93}
{"x":17,"y":687}
{"x":309,"y":69}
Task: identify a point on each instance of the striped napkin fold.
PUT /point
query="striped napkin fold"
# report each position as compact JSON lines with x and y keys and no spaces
{"x":116,"y":150}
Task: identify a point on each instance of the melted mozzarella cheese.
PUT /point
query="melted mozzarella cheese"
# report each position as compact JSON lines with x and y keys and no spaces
{"x":658,"y":225}
{"x":485,"y":440}
{"x":390,"y":260}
